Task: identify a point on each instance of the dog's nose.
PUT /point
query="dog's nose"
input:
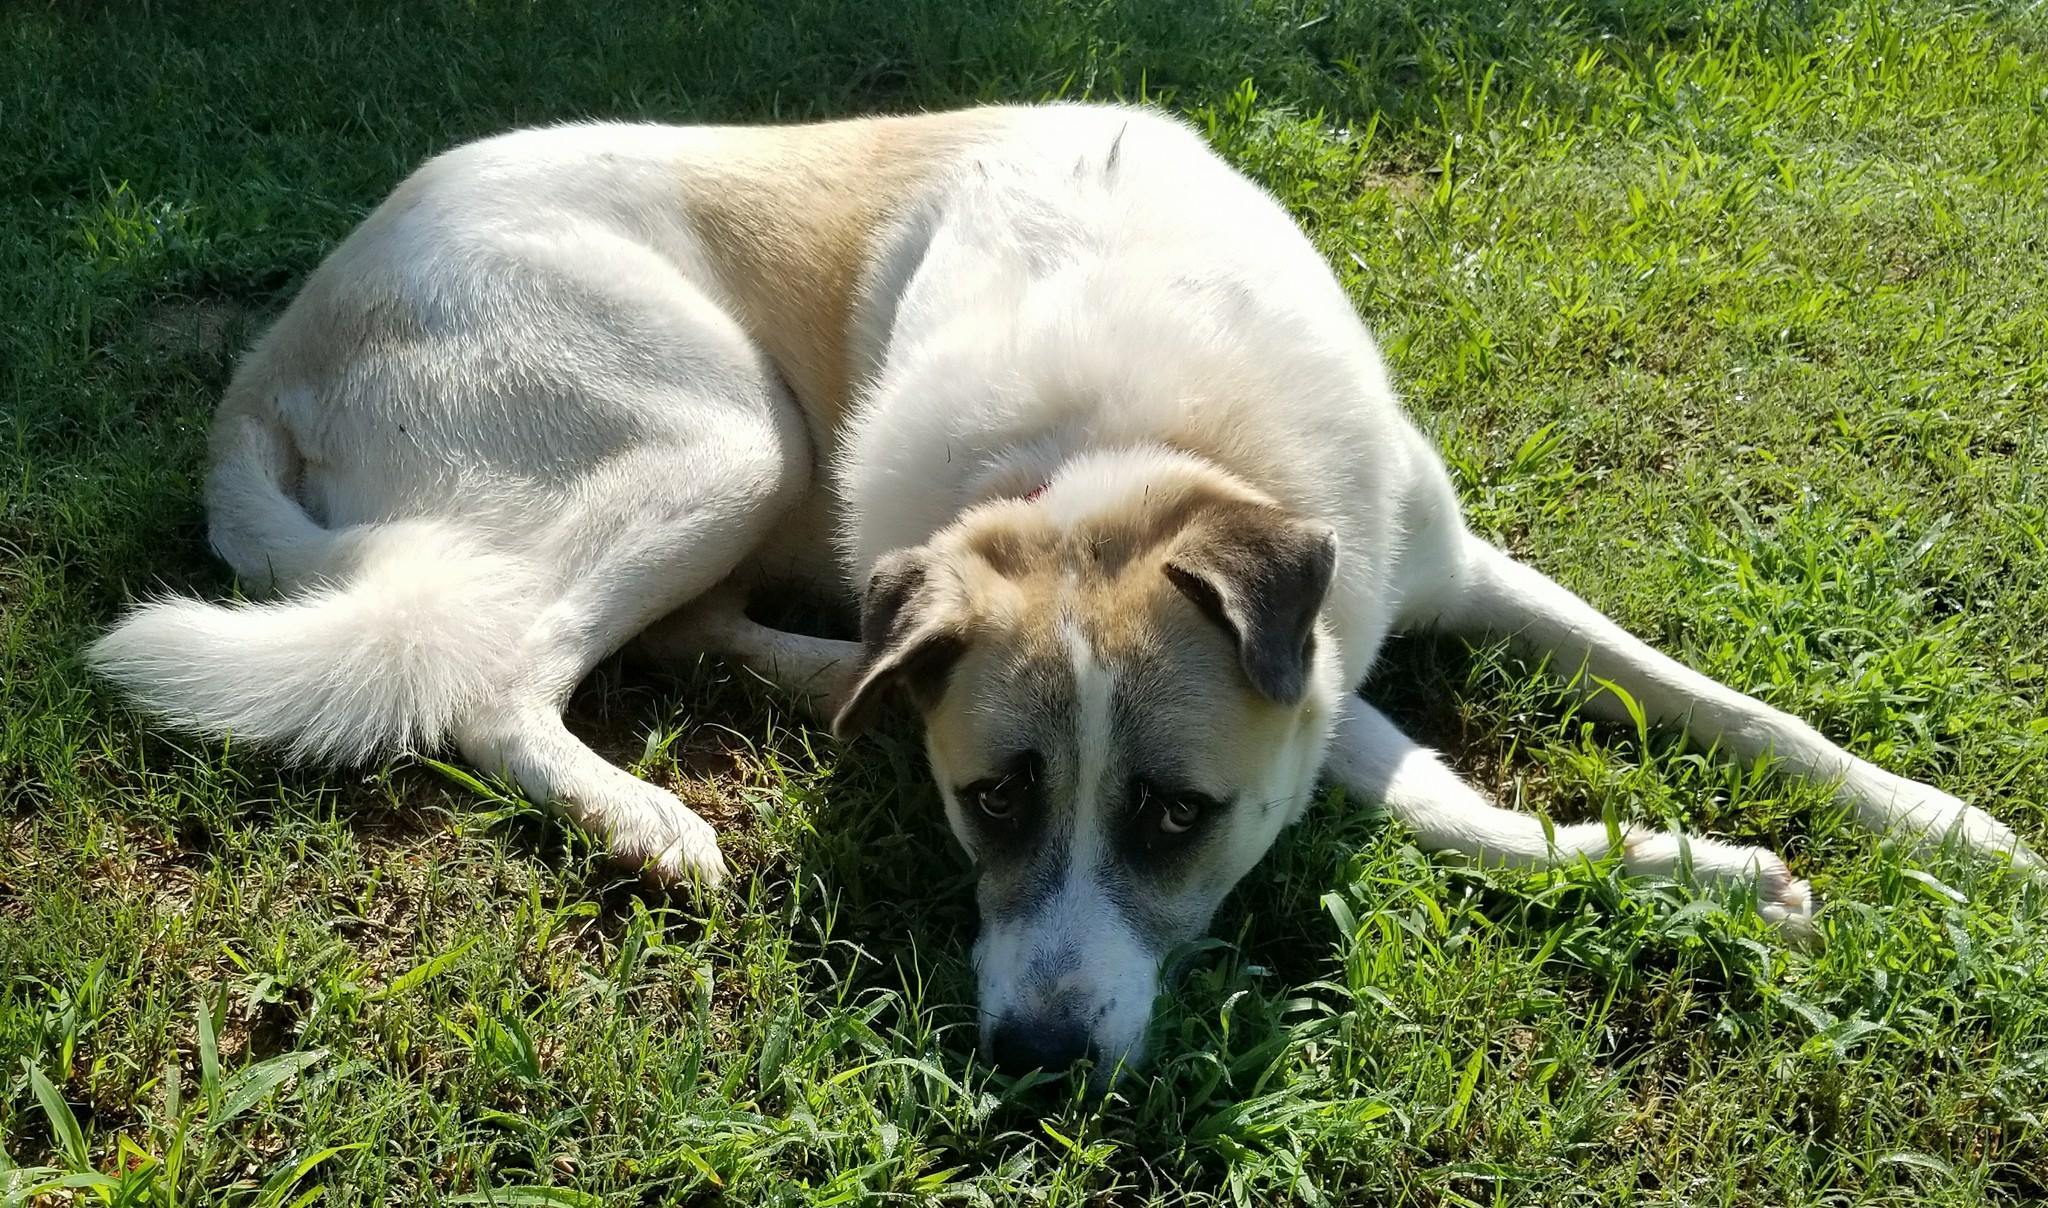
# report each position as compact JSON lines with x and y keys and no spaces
{"x":1023,"y":1045}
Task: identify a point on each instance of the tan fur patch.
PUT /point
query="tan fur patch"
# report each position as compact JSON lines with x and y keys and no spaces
{"x":1024,"y":579}
{"x":790,"y":215}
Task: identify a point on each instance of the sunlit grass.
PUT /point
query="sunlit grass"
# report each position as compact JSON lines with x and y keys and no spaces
{"x":1732,"y":315}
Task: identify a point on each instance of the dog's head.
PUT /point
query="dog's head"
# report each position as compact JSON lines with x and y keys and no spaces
{"x":1126,"y":696}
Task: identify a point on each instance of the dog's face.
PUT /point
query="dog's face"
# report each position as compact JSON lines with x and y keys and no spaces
{"x":1125,"y":698}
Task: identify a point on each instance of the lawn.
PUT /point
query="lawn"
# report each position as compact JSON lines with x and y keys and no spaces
{"x":1733,"y":314}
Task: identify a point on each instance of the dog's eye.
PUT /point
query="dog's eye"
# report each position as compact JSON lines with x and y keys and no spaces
{"x":1171,"y":813}
{"x":1179,"y":815}
{"x":995,"y":801}
{"x":1003,"y":798}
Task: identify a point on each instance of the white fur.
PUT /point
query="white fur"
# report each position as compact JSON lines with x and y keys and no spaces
{"x":1094,"y":690}
{"x":505,"y":427}
{"x":1081,"y":933}
{"x":391,"y":656}
{"x":527,"y":410}
{"x":1078,"y":321}
{"x":1099,"y":961}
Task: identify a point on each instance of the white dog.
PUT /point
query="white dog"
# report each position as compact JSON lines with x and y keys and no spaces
{"x":1071,"y":402}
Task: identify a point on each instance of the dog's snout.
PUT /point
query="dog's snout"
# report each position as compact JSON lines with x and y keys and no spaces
{"x":1053,"y":1043}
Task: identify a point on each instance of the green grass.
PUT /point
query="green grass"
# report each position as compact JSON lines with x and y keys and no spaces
{"x":1732,"y":314}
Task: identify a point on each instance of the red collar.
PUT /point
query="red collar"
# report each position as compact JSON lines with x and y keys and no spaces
{"x":1031,"y":496}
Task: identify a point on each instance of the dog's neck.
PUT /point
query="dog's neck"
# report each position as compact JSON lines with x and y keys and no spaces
{"x":1064,"y":471}
{"x":1023,"y":472}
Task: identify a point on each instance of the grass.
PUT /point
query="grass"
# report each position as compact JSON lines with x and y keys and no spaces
{"x":1729,"y":312}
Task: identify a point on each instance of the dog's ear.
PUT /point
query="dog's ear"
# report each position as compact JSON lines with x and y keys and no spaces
{"x":911,"y":634}
{"x":1261,"y":573}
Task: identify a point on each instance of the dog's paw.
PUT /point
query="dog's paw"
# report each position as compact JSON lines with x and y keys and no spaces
{"x":1784,"y":900}
{"x":691,"y":857}
{"x":1781,"y":898}
{"x":668,"y":843}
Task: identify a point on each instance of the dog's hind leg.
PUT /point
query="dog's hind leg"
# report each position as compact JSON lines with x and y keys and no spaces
{"x":670,"y":523}
{"x":706,"y":454}
{"x":1482,"y":589}
{"x":815,"y":673}
{"x":1370,"y":757}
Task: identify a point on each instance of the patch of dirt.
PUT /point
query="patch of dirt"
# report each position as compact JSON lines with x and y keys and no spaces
{"x":1401,"y":186}
{"x":730,"y":730}
{"x":16,"y":844}
{"x":144,"y":864}
{"x":383,"y":930}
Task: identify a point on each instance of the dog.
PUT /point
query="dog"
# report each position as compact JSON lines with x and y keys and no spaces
{"x":1067,"y":405}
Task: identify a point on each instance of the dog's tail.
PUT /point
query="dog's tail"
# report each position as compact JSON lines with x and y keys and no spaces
{"x":392,"y":631}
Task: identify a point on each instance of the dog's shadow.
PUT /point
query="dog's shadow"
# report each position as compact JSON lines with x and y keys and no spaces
{"x":857,"y":832}
{"x":849,"y":844}
{"x":862,"y":825}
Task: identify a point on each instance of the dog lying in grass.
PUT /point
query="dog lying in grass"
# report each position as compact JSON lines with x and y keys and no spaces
{"x":1069,"y":405}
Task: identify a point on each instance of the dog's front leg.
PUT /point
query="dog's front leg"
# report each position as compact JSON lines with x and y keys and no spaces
{"x":1490,"y":592}
{"x":1373,"y":759}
